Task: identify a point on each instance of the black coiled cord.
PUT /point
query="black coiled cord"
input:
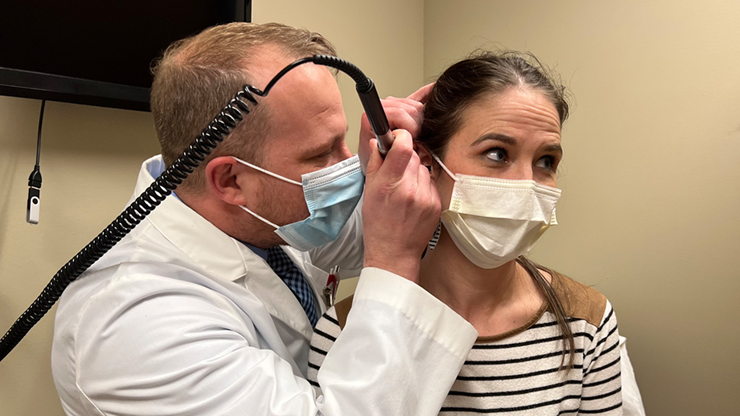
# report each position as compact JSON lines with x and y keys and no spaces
{"x":221,"y":126}
{"x":208,"y":139}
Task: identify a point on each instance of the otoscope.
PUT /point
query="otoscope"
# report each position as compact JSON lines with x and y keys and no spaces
{"x":375,"y":114}
{"x":223,"y":124}
{"x":365,"y":89}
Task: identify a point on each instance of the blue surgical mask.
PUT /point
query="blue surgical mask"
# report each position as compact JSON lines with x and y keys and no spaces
{"x":331,"y":195}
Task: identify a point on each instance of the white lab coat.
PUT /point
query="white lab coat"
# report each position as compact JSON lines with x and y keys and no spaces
{"x":179,"y":318}
{"x":631,"y":397}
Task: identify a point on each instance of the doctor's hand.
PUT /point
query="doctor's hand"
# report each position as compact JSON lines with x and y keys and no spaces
{"x":402,"y":113}
{"x":401,"y":209}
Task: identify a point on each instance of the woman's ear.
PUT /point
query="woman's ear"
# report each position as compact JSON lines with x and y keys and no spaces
{"x":225,"y":179}
{"x":425,"y":157}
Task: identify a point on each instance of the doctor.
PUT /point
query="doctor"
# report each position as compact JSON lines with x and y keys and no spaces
{"x":208,"y":306}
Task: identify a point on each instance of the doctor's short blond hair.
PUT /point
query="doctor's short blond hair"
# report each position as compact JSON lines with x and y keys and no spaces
{"x":197,"y":76}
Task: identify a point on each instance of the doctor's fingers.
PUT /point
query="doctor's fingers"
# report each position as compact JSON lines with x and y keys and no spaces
{"x":398,"y":111}
{"x":401,"y":162}
{"x":405,"y":117}
{"x":413,"y":108}
{"x":401,"y":114}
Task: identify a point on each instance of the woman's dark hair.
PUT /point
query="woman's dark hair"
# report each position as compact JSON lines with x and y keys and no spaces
{"x":475,"y":78}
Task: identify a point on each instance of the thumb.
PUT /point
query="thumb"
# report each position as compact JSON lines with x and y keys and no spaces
{"x":375,"y":161}
{"x":422,"y":94}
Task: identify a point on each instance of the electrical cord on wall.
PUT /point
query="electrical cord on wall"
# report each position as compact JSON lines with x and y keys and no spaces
{"x":221,"y":126}
{"x":33,"y":204}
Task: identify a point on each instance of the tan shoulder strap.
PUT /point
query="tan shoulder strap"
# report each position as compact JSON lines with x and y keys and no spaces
{"x":342,"y":308}
{"x":579,"y":301}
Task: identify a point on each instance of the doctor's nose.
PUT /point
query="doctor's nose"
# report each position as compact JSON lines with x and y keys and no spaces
{"x":345,"y":152}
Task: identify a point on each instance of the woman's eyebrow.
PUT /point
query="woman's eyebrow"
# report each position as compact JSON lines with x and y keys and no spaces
{"x":553,"y":148}
{"x":497,"y":137}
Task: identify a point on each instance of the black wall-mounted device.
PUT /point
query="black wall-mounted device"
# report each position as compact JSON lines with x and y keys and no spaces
{"x":97,"y":53}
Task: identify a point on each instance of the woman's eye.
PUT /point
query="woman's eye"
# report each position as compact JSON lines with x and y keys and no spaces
{"x":496,"y":155}
{"x":545,"y":162}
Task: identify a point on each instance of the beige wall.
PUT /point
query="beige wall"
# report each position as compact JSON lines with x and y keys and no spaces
{"x":89,"y":160}
{"x":650,"y":178}
{"x":650,"y":175}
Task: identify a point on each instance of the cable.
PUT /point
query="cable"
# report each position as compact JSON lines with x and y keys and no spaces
{"x":365,"y":89}
{"x":38,"y":141}
{"x":221,"y":126}
{"x":33,"y":203}
{"x":368,"y":96}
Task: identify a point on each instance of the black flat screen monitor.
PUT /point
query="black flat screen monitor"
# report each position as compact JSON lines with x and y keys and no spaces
{"x":97,"y":52}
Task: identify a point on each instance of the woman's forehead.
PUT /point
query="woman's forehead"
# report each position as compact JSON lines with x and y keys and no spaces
{"x":516,"y":110}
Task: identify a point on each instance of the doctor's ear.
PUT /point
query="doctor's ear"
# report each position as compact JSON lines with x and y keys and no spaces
{"x":229,"y":181}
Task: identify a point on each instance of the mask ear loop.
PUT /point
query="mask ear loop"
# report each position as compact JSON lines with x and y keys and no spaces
{"x":274,"y":175}
{"x":258,"y":217}
{"x":438,"y":231}
{"x":452,"y":175}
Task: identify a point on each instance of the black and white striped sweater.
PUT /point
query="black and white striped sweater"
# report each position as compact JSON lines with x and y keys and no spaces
{"x":517,"y":373}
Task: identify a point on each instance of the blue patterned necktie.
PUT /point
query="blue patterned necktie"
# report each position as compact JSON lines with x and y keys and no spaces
{"x":284,"y":267}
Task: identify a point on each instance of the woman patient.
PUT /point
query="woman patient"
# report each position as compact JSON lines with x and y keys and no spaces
{"x":547,"y":345}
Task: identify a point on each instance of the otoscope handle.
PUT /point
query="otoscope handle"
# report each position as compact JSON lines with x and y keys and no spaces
{"x":365,"y":89}
{"x":376,"y":115}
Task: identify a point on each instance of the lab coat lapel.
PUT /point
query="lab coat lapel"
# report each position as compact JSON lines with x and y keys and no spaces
{"x":278,"y":299}
{"x":315,"y":277}
{"x":220,"y":255}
